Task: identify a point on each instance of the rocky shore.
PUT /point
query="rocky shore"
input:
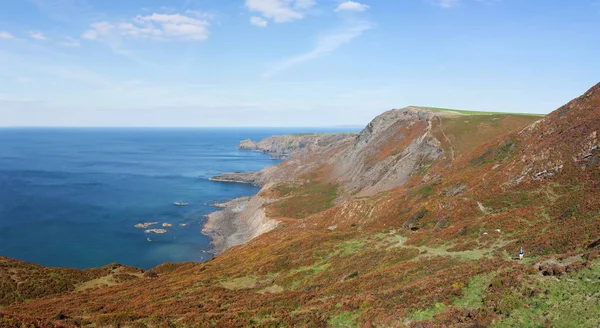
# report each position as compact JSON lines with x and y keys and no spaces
{"x":242,"y":219}
{"x":224,"y":226}
{"x":248,"y":177}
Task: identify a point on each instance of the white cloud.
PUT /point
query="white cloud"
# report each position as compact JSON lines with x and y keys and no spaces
{"x":155,"y":26}
{"x":38,"y":35}
{"x":6,"y":35}
{"x":69,"y":42}
{"x":352,"y":6}
{"x":447,"y":3}
{"x":258,"y":21}
{"x":326,"y":44}
{"x":281,"y":11}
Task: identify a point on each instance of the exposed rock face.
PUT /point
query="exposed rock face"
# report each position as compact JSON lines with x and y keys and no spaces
{"x":381,"y":157}
{"x":248,"y":177}
{"x":388,"y":151}
{"x":240,"y":220}
{"x":565,"y":140}
{"x":287,"y":146}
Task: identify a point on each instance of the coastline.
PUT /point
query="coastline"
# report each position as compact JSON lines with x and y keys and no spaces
{"x":240,"y":220}
{"x":224,"y":226}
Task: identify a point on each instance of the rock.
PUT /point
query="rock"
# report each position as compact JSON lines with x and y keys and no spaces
{"x":183,"y":224}
{"x":167,"y":225}
{"x":442,"y":224}
{"x":156,"y":231}
{"x":145,"y":225}
{"x":288,"y":146}
{"x":332,"y":228}
{"x":454,"y":190}
{"x":150,"y":274}
{"x":351,"y":276}
{"x":481,"y":207}
{"x":249,"y":177}
{"x":413,"y":222}
{"x":594,"y":244}
{"x":60,"y":316}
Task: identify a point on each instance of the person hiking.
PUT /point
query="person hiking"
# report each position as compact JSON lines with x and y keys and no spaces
{"x":521,"y":254}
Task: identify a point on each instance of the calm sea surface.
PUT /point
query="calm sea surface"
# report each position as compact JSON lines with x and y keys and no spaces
{"x":71,"y":197}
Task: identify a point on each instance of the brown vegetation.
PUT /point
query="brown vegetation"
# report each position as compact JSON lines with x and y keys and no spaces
{"x":437,"y":251}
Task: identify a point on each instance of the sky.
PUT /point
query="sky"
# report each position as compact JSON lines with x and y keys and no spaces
{"x":284,"y":63}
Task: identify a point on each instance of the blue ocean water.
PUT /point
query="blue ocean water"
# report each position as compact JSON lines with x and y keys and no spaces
{"x":71,"y":197}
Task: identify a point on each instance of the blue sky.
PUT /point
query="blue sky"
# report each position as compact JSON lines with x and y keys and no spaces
{"x":287,"y":62}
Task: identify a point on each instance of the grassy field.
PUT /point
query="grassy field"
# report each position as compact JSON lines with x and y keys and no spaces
{"x":469,"y":112}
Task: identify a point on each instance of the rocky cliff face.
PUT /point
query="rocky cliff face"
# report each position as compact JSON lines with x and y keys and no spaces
{"x":288,"y":146}
{"x":390,"y":149}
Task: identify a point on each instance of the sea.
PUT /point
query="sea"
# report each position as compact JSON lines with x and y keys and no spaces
{"x":71,"y":197}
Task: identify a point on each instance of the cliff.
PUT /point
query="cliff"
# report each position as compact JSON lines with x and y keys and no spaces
{"x":287,"y":146}
{"x":432,"y":245}
{"x":384,"y":155}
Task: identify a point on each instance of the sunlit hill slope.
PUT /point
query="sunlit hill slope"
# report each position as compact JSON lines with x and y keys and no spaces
{"x":415,"y":222}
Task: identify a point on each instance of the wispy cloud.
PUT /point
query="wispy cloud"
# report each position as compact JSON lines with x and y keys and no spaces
{"x":326,"y":44}
{"x":6,"y":35}
{"x":69,"y":42}
{"x":38,"y":35}
{"x":446,"y":3}
{"x":156,"y":26}
{"x":281,"y":11}
{"x":352,"y":6}
{"x":258,"y":21}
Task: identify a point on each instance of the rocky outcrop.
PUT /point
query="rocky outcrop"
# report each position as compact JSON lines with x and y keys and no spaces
{"x":145,"y":225}
{"x":239,"y":221}
{"x":388,"y":151}
{"x":156,"y":231}
{"x":247,"y":177}
{"x":381,"y":157}
{"x":287,"y":146}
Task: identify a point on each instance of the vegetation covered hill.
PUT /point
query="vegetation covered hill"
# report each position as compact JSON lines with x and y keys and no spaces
{"x":421,"y":230}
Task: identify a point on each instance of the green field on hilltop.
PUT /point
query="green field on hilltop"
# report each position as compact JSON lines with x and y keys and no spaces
{"x":468,"y":112}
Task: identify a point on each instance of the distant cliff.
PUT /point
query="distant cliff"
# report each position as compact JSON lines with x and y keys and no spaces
{"x":395,"y":146}
{"x":284,"y":147}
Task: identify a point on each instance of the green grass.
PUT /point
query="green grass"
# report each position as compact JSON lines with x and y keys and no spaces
{"x":472,"y":298}
{"x":571,"y":301}
{"x":239,"y":283}
{"x":273,"y":289}
{"x":425,"y":191}
{"x":303,"y":200}
{"x":300,"y":276}
{"x":469,"y":112}
{"x":349,"y":247}
{"x":344,"y":319}
{"x":426,"y":314}
{"x":314,"y":268}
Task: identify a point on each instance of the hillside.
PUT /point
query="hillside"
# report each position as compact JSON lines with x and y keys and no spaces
{"x":414,"y":222}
